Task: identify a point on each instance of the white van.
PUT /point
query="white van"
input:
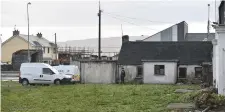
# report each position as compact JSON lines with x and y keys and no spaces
{"x":71,"y":70}
{"x":41,"y":73}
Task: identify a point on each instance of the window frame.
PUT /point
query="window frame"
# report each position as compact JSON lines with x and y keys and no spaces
{"x":157,"y":69}
{"x":198,"y":71}
{"x":185,"y":72}
{"x":48,"y":50}
{"x":140,"y":67}
{"x":52,"y":73}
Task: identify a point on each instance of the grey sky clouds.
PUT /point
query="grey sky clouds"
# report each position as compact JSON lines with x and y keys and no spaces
{"x":78,"y":19}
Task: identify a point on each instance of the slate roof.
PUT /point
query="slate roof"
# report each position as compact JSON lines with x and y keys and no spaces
{"x":187,"y":53}
{"x":199,"y":36}
{"x":33,"y":39}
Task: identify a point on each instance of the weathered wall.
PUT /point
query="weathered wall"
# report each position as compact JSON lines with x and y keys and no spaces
{"x":219,"y":59}
{"x":170,"y":76}
{"x":98,"y":72}
{"x":190,"y":70}
{"x":130,"y":71}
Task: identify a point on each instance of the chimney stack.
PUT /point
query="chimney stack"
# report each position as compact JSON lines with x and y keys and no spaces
{"x":16,"y":32}
{"x":125,"y":38}
{"x":39,"y":35}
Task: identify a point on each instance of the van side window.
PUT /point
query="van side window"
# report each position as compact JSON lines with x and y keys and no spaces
{"x":47,"y":71}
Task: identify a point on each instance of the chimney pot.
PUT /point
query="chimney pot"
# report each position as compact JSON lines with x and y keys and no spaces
{"x":39,"y":35}
{"x":16,"y":32}
{"x":125,"y":38}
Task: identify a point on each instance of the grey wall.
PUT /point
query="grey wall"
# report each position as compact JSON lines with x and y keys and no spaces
{"x":182,"y":29}
{"x":166,"y":35}
{"x":77,"y":63}
{"x":130,"y":71}
{"x":98,"y":72}
{"x":190,"y":70}
{"x":170,"y":76}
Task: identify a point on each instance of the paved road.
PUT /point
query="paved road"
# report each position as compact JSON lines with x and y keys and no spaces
{"x":9,"y":76}
{"x":9,"y":79}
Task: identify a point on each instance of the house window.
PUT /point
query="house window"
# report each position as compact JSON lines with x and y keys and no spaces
{"x":182,"y":72}
{"x":159,"y":70}
{"x":48,"y":49}
{"x":139,"y":70}
{"x":198,"y":72}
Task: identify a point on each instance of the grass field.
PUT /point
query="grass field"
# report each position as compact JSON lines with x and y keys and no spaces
{"x":89,"y":98}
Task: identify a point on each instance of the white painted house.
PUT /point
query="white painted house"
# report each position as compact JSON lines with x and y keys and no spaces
{"x":190,"y":58}
{"x":160,"y":71}
{"x":219,"y":52}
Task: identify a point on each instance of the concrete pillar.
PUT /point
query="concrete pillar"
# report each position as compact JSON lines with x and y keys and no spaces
{"x":219,"y":59}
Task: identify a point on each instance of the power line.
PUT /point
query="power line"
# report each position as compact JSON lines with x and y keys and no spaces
{"x":131,"y":23}
{"x":137,"y":18}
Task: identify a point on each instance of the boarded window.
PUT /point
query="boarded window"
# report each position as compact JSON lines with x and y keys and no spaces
{"x":198,"y":72}
{"x":182,"y":72}
{"x":159,"y":70}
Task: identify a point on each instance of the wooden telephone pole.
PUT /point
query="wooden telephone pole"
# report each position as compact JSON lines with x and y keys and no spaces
{"x":99,"y":32}
{"x":56,"y":48}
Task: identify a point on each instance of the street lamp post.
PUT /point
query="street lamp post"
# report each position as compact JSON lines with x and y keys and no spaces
{"x":28,"y":54}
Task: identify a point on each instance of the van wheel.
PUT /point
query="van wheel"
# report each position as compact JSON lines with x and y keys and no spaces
{"x":25,"y":82}
{"x":57,"y":82}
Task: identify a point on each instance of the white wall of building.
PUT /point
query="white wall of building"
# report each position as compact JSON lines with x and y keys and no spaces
{"x":219,"y":59}
{"x":170,"y":76}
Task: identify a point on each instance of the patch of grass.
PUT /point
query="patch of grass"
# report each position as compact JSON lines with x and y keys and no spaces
{"x":89,"y":98}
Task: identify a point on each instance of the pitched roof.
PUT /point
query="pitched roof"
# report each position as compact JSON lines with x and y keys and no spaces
{"x":189,"y":53}
{"x":199,"y":36}
{"x":34,"y":39}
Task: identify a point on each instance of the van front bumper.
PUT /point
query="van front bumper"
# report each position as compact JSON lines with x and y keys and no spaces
{"x":66,"y":81}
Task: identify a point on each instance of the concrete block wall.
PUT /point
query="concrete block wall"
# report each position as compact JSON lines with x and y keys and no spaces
{"x":103,"y":72}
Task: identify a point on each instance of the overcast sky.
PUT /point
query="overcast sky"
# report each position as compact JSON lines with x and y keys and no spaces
{"x":75,"y":20}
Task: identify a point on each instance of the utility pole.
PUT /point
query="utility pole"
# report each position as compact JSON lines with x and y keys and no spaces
{"x":99,"y":32}
{"x":28,"y":52}
{"x":208,"y":25}
{"x":56,"y":50}
{"x":122,"y":29}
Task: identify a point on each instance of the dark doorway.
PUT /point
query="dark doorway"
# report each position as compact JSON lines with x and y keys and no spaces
{"x":182,"y":72}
